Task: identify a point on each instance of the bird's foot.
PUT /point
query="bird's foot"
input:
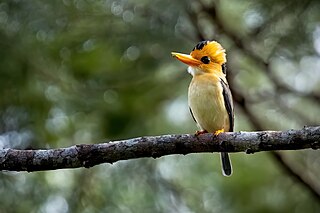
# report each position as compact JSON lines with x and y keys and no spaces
{"x":218,"y":131}
{"x":200,"y":132}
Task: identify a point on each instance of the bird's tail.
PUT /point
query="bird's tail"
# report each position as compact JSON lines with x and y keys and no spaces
{"x":226,"y":164}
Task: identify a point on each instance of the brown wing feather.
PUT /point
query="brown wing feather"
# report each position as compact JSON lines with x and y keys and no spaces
{"x":225,"y":160}
{"x":192,"y":115}
{"x":228,"y":103}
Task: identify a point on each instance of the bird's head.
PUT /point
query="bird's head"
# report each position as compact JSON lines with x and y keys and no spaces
{"x":206,"y":57}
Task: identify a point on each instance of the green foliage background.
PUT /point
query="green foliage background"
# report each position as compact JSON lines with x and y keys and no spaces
{"x":85,"y":71}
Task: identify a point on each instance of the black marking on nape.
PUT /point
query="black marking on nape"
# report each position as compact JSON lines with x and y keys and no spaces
{"x":200,"y":45}
{"x":224,"y":68}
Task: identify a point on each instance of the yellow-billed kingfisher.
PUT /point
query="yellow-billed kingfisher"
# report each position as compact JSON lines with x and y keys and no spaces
{"x":209,"y":96}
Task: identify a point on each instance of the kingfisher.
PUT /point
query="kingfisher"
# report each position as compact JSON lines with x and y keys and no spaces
{"x":209,"y":96}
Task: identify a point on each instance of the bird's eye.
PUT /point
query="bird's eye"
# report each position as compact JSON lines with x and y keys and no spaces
{"x":205,"y":59}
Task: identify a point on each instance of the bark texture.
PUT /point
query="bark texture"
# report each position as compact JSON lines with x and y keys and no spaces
{"x":88,"y":155}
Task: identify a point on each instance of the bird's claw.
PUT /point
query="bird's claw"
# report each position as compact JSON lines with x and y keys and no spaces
{"x":200,"y":132}
{"x":218,"y":132}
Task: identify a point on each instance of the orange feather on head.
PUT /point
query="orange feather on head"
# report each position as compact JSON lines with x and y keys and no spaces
{"x":212,"y":49}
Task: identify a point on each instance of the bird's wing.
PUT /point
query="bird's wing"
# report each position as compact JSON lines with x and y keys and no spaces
{"x":192,"y":114}
{"x":228,"y":102}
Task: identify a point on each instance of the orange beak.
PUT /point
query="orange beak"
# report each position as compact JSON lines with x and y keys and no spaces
{"x":187,"y":59}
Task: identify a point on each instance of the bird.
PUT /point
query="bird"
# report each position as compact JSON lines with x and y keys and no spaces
{"x":209,"y":96}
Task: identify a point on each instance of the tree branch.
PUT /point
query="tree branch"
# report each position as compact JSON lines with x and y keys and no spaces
{"x":88,"y":155}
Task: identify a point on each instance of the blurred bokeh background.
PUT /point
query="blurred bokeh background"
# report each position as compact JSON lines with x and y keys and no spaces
{"x":84,"y":71}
